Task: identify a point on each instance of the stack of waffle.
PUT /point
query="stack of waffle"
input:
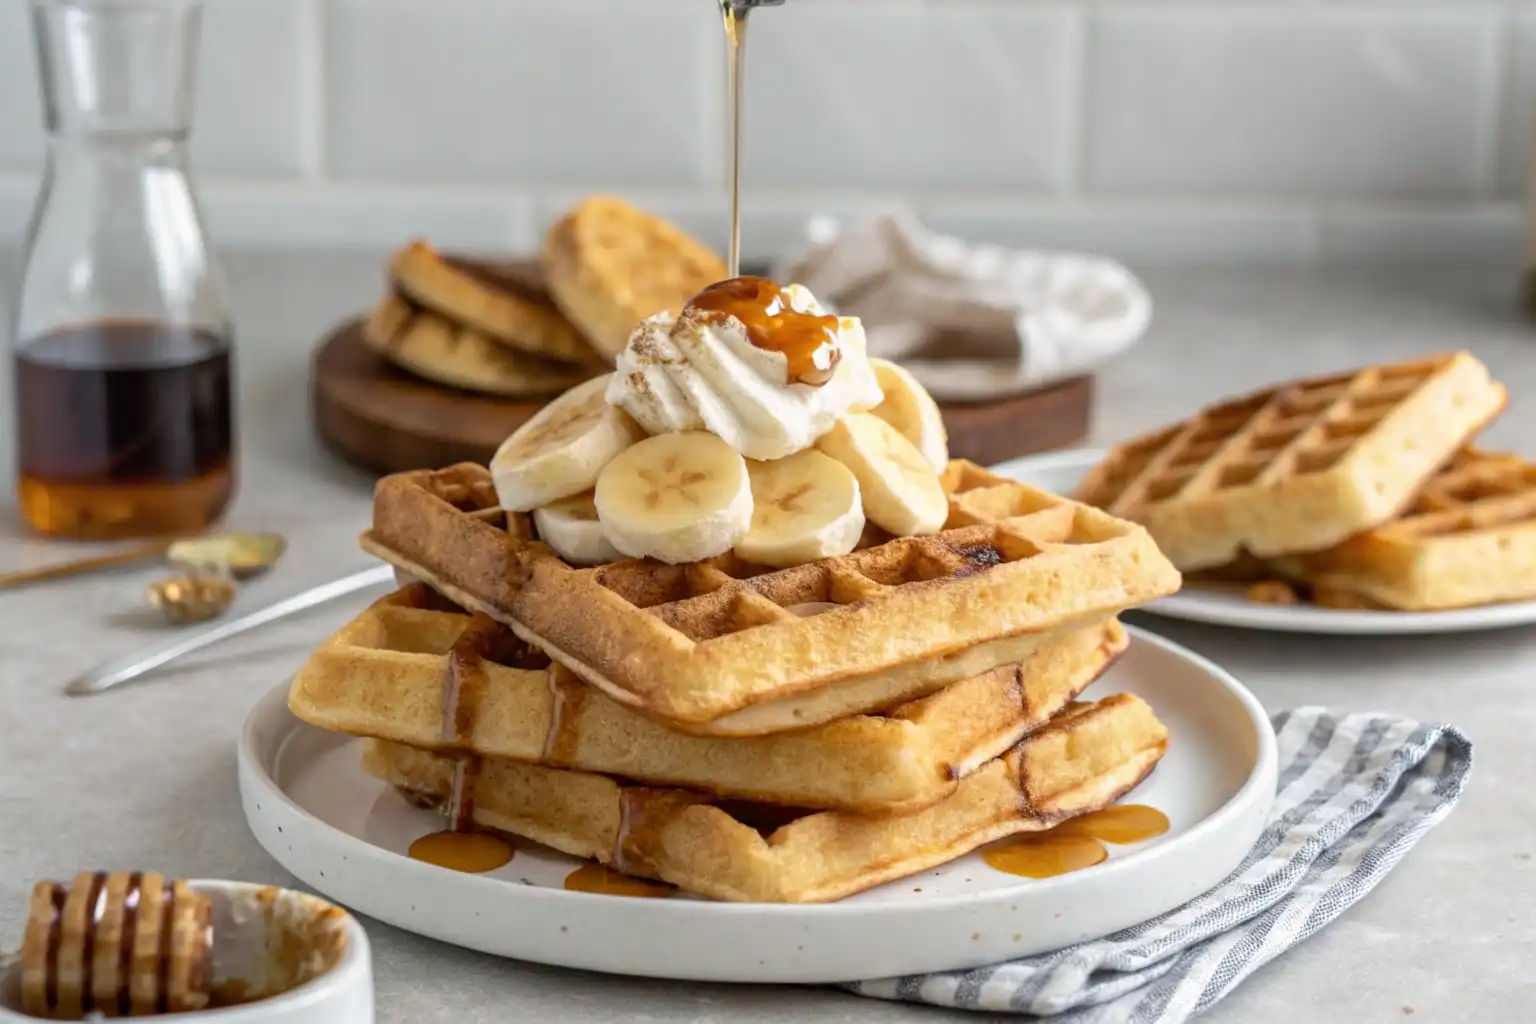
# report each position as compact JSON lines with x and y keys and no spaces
{"x":1358,"y":490}
{"x":741,"y":732}
{"x":531,"y":329}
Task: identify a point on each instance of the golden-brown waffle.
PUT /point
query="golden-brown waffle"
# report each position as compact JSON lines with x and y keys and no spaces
{"x":431,"y":346}
{"x":1298,"y":467}
{"x":1082,"y":761}
{"x":1468,"y":539}
{"x":724,"y":648}
{"x":384,"y":675}
{"x":611,"y":265}
{"x":507,"y":303}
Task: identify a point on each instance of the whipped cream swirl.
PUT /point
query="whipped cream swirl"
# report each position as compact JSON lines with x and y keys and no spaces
{"x":701,"y":371}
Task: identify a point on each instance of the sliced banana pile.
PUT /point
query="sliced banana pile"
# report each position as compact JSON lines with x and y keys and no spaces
{"x":599,"y":489}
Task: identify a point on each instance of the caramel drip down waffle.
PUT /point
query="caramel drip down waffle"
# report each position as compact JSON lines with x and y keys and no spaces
{"x":383,"y":675}
{"x":1083,"y":760}
{"x":1299,"y":467}
{"x":1469,"y":538}
{"x":725,"y":648}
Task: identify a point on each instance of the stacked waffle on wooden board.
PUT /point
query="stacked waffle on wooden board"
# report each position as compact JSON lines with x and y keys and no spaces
{"x":532,"y":328}
{"x":1358,"y":490}
{"x":786,"y":676}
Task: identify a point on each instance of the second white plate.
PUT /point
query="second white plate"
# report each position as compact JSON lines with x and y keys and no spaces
{"x":310,"y":804}
{"x":1061,"y":472}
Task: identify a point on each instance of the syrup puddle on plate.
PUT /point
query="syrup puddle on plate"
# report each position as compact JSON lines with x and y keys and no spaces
{"x":1076,"y":843}
{"x":598,"y":878}
{"x":471,"y":852}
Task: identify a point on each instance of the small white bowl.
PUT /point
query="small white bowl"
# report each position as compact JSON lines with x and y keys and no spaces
{"x":246,"y":917}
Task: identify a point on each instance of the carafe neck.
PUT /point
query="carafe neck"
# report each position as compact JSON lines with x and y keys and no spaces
{"x":117,"y":67}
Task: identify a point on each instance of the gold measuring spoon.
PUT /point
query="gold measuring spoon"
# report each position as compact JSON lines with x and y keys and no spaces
{"x":245,"y":555}
{"x":241,"y":555}
{"x":185,"y":599}
{"x":212,"y":565}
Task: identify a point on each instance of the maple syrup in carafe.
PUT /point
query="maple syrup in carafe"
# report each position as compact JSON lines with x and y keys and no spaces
{"x":124,"y":429}
{"x":808,"y":341}
{"x":119,"y":328}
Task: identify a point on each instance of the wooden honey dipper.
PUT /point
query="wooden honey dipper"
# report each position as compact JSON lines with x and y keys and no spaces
{"x":121,"y":944}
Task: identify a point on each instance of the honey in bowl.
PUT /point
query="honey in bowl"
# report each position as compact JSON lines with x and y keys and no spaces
{"x":138,"y":944}
{"x":806,"y":340}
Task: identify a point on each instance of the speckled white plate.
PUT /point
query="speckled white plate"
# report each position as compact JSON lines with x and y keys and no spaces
{"x":311,"y":805}
{"x":1061,"y":472}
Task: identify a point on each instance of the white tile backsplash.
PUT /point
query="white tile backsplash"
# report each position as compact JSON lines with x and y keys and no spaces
{"x":1172,"y":235}
{"x":1281,"y":102}
{"x":21,"y":115}
{"x":1163,"y":132}
{"x":1421,"y":235}
{"x":252,"y":116}
{"x":370,"y":217}
{"x":1520,"y":106}
{"x":915,"y":97}
{"x":250,"y":113}
{"x":474,"y":91}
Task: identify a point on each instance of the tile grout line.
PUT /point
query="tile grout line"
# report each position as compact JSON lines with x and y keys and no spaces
{"x":1505,"y":83}
{"x":1080,"y":145}
{"x":314,"y":81}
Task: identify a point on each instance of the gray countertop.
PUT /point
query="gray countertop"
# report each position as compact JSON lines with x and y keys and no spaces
{"x":145,"y":777}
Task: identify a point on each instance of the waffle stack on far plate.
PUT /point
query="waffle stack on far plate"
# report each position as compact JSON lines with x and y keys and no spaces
{"x":746,"y":733}
{"x":1356,"y":491}
{"x":477,"y":325}
{"x":532,"y":328}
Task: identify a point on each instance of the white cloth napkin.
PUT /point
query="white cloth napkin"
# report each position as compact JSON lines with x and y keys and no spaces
{"x":1355,"y":793}
{"x":972,"y":322}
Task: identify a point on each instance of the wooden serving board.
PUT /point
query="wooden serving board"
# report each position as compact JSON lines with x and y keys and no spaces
{"x":387,"y":421}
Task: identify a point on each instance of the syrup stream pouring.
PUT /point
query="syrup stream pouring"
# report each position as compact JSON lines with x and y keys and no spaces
{"x":735,"y":13}
{"x":122,"y":670}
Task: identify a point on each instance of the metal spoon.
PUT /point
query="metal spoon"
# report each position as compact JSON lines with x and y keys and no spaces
{"x":122,"y":670}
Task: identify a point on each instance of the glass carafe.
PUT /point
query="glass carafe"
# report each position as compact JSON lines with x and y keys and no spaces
{"x":122,"y":345}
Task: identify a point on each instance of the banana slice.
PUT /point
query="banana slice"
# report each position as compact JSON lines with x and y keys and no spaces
{"x":804,"y":507}
{"x":675,"y":498}
{"x":912,"y":411}
{"x":570,"y":526}
{"x":561,"y":450}
{"x":901,"y":492}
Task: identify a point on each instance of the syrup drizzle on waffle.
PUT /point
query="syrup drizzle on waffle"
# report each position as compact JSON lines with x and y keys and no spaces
{"x":460,"y":847}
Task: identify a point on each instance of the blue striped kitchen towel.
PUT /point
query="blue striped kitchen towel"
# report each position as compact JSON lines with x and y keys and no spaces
{"x":1355,"y":793}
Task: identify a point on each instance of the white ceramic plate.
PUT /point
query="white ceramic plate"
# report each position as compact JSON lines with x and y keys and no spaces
{"x":311,"y":805}
{"x":1060,"y":472}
